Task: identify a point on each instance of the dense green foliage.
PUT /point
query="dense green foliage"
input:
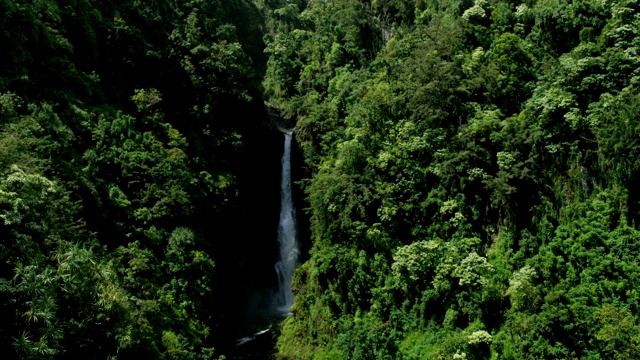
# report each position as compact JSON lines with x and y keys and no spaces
{"x":472,"y":191}
{"x":119,"y":138}
{"x":474,"y":176}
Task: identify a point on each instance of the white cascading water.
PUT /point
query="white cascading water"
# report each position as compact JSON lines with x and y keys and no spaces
{"x":287,"y":237}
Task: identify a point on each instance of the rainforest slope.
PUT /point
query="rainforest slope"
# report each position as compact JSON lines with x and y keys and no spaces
{"x":129,"y":135}
{"x":474,"y":176}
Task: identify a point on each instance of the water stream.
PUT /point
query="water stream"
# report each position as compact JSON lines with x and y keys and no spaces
{"x":287,"y":237}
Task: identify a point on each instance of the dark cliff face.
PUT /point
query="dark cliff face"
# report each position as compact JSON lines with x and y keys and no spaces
{"x":246,"y":240}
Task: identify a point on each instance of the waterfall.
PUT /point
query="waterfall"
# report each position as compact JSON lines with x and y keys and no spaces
{"x":286,"y":232}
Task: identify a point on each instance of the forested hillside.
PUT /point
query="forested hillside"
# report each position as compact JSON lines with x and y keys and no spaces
{"x":132,"y":141}
{"x":472,"y":187}
{"x":474,"y":176}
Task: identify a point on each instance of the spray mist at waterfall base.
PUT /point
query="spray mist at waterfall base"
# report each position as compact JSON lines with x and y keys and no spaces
{"x":274,"y":305}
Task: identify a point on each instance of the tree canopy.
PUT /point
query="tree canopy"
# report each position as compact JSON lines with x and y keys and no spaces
{"x":121,"y":129}
{"x":473,"y":188}
{"x":470,"y":176}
